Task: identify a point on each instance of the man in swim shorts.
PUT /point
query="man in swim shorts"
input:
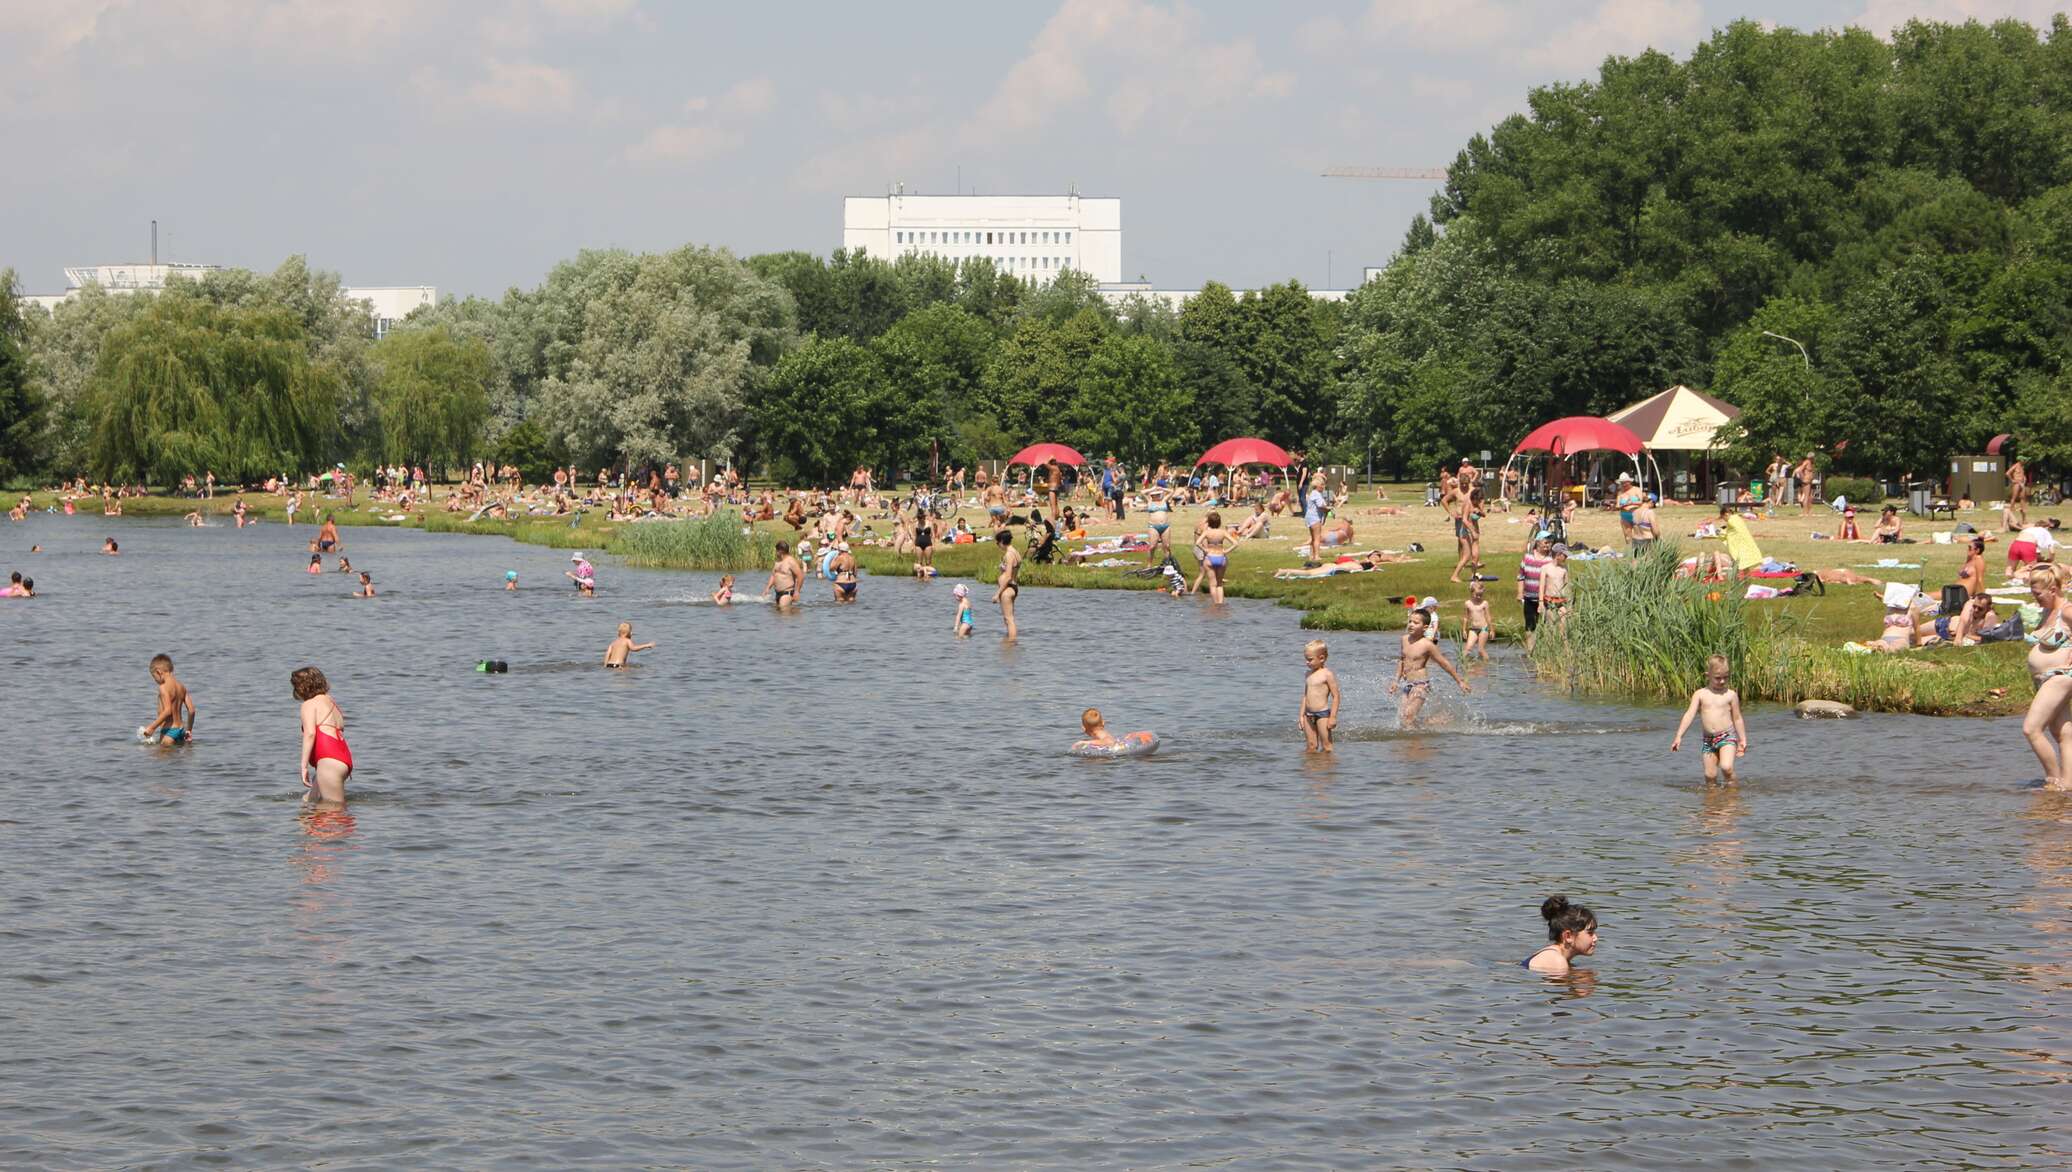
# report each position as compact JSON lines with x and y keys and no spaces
{"x":175,"y":721}
{"x":785,"y":576}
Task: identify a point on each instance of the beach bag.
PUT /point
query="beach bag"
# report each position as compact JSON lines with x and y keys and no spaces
{"x":1953,"y":599}
{"x":1808,"y":582}
{"x":2006,"y":632}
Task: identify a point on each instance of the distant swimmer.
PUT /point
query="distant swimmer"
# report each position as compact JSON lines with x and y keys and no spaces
{"x":615,"y":655}
{"x":1320,"y":697}
{"x":109,"y":547}
{"x":725,"y":594}
{"x":366,"y":589}
{"x":510,"y":579}
{"x":1717,"y":709}
{"x":324,"y":751}
{"x":1572,"y":931}
{"x":785,"y":578}
{"x":237,"y":510}
{"x":175,"y":721}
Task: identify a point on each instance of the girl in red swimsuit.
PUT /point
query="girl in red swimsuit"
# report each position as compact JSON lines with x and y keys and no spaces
{"x":324,"y":751}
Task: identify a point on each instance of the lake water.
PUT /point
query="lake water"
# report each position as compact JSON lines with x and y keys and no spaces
{"x":824,"y":890}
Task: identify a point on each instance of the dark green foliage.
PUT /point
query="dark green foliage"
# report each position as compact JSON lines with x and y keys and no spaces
{"x":21,"y":402}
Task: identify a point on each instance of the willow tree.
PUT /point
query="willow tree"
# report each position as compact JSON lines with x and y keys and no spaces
{"x":191,"y":386}
{"x":431,"y":395}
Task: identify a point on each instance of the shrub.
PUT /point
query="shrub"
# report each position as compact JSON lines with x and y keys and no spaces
{"x":1856,"y":488}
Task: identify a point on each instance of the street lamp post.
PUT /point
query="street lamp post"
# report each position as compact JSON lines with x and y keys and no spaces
{"x":1795,"y":342}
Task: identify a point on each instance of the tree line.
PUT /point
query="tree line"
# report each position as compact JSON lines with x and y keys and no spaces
{"x":1900,"y":209}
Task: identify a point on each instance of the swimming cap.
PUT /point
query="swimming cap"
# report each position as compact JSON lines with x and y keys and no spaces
{"x":962,"y":591}
{"x":510,"y":575}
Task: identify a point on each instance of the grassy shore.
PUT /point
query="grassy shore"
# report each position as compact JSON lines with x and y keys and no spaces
{"x":1802,"y":636}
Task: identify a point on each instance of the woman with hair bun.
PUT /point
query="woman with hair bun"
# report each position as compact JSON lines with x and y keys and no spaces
{"x":1572,"y":928}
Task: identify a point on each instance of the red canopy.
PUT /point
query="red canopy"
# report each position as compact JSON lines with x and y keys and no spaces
{"x":1580,"y":433}
{"x":1043,"y":453}
{"x":1232,"y":452}
{"x":1994,"y":445}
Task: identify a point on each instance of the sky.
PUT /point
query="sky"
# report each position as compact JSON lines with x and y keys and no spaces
{"x":471,"y":144}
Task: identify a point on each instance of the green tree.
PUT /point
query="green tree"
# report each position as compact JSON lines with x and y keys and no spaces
{"x":654,"y":361}
{"x":934,"y":361}
{"x":431,"y":394}
{"x":821,"y":411}
{"x":1129,"y":401}
{"x":21,"y":402}
{"x":190,"y":384}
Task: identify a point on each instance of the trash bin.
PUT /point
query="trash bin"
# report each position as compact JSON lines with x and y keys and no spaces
{"x":1727,"y":494}
{"x":1918,"y":496}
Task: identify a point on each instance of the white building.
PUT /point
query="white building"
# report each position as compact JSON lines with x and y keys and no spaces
{"x":1035,"y":237}
{"x":1173,"y":299}
{"x":389,"y":304}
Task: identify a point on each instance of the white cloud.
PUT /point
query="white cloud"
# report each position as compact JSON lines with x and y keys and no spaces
{"x":686,"y":144}
{"x":713,"y":126}
{"x":1148,"y":56}
{"x":1443,"y":26}
{"x":1623,"y":27}
{"x":849,"y":112}
{"x":1883,"y":16}
{"x":522,"y":87}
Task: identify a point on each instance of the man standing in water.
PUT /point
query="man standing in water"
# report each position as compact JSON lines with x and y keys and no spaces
{"x":1010,"y":585}
{"x":785,"y":576}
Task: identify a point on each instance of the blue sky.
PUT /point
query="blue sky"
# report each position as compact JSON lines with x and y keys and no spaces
{"x":470,"y":145}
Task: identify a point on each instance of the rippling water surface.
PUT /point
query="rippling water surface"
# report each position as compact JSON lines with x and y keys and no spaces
{"x":824,"y":890}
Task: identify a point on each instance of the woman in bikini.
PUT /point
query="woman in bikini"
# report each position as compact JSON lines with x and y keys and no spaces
{"x":1215,"y":544}
{"x":2048,"y":725}
{"x":324,"y":751}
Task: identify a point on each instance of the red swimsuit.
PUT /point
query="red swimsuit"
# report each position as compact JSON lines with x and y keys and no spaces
{"x":332,"y":746}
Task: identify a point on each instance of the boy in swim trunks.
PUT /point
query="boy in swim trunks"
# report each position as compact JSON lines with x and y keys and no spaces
{"x":1319,"y":697}
{"x":1718,"y":710}
{"x":1413,"y":671}
{"x":175,"y":721}
{"x":615,"y":655}
{"x":1475,"y":623}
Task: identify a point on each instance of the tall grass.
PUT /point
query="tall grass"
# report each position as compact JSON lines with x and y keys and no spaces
{"x":707,"y":543}
{"x":1638,"y":630}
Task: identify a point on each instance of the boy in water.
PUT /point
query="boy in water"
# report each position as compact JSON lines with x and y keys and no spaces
{"x":1554,"y":588}
{"x":175,"y":721}
{"x":1319,"y":697}
{"x":1474,"y":624}
{"x":510,"y":579}
{"x":1414,"y":670}
{"x":1096,"y":729}
{"x":615,"y":655}
{"x":963,"y":624}
{"x":725,"y":594}
{"x":1718,"y":709}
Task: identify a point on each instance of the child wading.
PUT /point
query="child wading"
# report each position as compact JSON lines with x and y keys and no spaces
{"x":1319,"y":697}
{"x":1414,"y":670}
{"x":1718,"y":709}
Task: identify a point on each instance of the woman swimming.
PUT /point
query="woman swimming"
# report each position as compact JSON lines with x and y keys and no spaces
{"x":324,"y":750}
{"x":1572,"y":932}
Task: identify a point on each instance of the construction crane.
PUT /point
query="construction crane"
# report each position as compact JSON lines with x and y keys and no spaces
{"x":1384,"y":172}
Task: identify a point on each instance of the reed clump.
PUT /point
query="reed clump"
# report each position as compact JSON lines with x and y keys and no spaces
{"x":721,"y":541}
{"x":1636,"y":629}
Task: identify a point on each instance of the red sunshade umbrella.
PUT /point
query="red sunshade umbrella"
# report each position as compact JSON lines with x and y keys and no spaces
{"x":1232,"y":452}
{"x":1040,"y":453}
{"x":1994,"y":445}
{"x":1580,"y":433}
